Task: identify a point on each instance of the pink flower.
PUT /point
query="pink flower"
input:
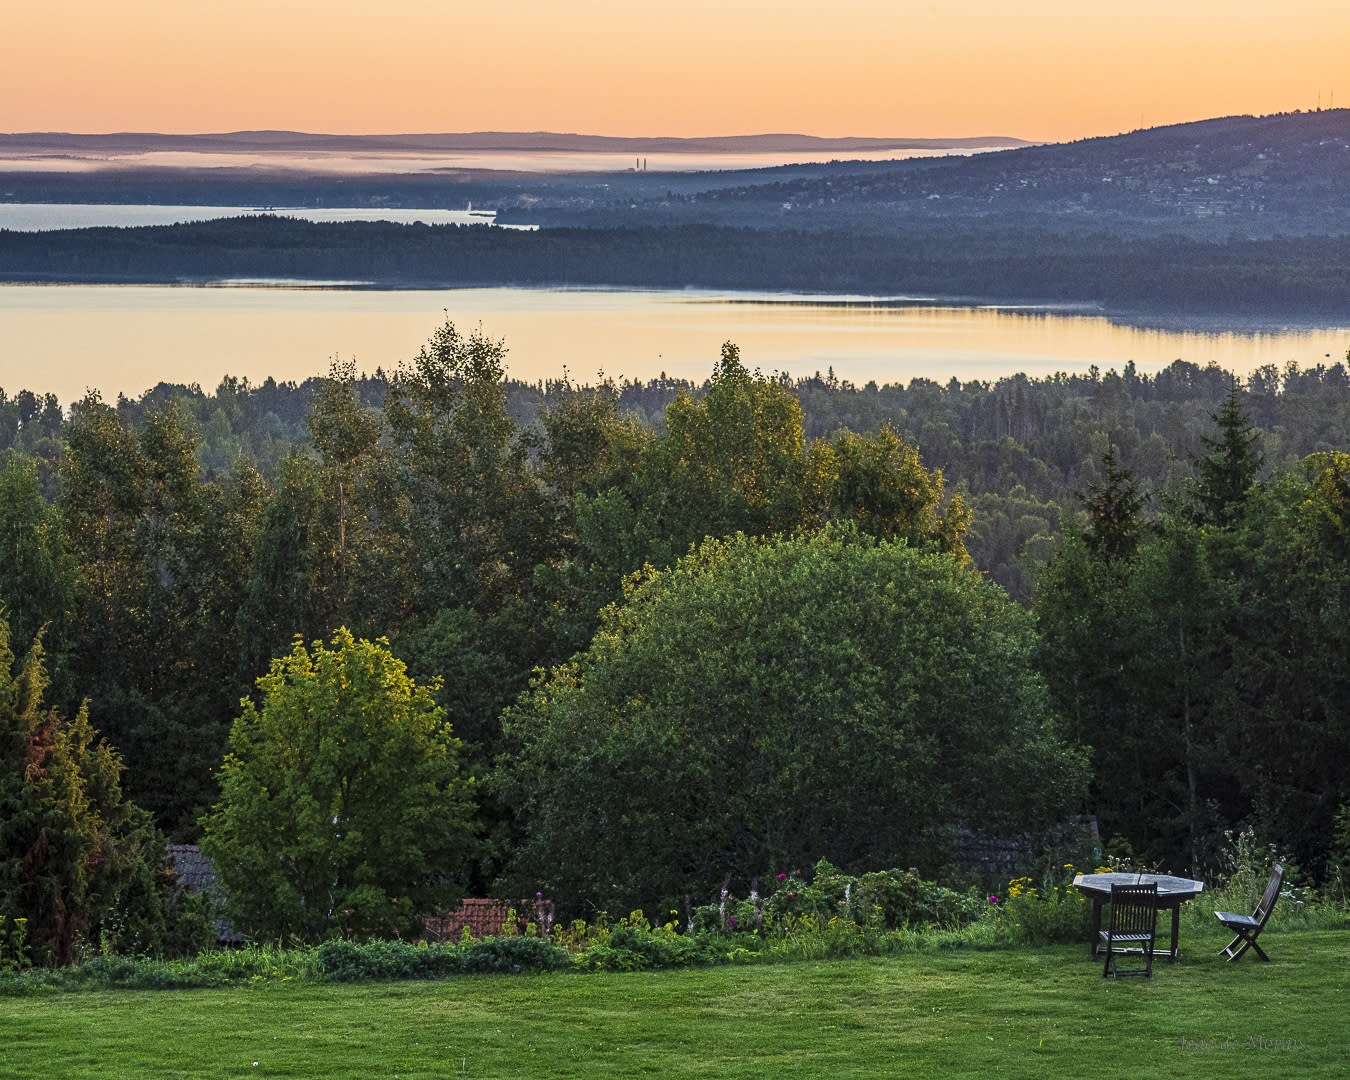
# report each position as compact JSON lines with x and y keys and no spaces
{"x":993,"y":899}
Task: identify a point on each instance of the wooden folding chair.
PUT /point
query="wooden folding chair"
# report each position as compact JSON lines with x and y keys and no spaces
{"x":1133,"y":927}
{"x":1247,"y":927}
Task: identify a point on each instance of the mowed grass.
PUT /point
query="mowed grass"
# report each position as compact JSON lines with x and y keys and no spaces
{"x":1032,"y":1012}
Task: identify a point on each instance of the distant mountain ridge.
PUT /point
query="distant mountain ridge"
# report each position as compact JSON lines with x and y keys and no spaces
{"x":302,"y":142}
{"x":1256,"y":174}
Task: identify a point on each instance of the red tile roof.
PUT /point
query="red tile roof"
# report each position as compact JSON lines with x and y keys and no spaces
{"x":486,"y":918}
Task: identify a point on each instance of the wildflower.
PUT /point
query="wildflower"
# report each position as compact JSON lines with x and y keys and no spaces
{"x":782,"y":877}
{"x":993,"y":899}
{"x":731,"y":923}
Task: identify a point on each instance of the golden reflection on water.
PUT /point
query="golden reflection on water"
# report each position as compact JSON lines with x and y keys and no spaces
{"x":64,"y":339}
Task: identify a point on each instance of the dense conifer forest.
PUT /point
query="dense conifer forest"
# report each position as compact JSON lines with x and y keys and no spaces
{"x":1180,"y":538}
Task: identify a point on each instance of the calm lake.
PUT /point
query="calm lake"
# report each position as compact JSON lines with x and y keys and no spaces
{"x":65,"y":339}
{"x":39,"y":217}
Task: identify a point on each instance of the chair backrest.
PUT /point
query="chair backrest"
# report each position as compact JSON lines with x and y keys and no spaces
{"x":1134,"y":908}
{"x":1268,"y":898}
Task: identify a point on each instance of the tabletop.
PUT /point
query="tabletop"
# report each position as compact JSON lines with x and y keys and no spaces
{"x":1167,"y":884}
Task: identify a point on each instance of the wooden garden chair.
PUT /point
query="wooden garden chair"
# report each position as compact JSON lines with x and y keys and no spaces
{"x":1247,"y":927}
{"x":1133,"y":927}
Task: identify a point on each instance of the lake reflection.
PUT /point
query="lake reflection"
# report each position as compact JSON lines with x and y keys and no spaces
{"x":66,"y":338}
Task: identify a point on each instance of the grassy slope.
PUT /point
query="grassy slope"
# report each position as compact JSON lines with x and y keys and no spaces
{"x":1006,"y":1013}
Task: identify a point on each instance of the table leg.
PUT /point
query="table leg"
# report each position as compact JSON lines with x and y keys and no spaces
{"x":1176,"y":925}
{"x":1096,"y":938}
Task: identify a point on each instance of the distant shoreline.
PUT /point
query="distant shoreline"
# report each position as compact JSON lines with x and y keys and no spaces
{"x":305,"y":142}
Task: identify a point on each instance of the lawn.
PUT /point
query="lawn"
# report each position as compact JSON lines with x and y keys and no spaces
{"x":965,"y":1012}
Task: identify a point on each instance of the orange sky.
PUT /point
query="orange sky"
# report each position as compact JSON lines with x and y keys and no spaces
{"x":1038,"y":69}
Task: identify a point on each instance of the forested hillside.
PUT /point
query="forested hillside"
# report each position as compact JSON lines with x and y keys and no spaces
{"x":1182,"y":539}
{"x":1239,"y":175}
{"x":1303,"y":275}
{"x":1234,"y":215}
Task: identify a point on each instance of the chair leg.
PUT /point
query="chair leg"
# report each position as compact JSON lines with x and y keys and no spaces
{"x":1111,"y":967}
{"x":1248,"y":942}
{"x":1227,"y":950}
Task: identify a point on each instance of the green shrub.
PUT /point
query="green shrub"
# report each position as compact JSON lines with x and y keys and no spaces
{"x":879,"y":901}
{"x":340,"y":960}
{"x":635,"y":948}
{"x":514,"y":956}
{"x":253,"y":963}
{"x":15,"y":954}
{"x":807,"y":938}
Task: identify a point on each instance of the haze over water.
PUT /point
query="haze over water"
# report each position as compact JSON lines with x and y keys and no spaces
{"x":522,"y":161}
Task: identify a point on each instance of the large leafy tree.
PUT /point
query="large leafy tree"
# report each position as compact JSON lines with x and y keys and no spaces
{"x":331,"y":544}
{"x":736,"y":459}
{"x":289,"y":589}
{"x":36,"y":576}
{"x":365,"y":511}
{"x":478,"y":516}
{"x":343,"y":805}
{"x":878,"y":482}
{"x":767,"y":702}
{"x":161,"y":558}
{"x":478,"y":525}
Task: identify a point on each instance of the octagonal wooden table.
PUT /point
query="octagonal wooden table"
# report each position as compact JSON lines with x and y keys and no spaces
{"x":1172,"y":893}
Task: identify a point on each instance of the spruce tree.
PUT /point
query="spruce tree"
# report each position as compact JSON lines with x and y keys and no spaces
{"x":68,"y":837}
{"x":1230,"y":468}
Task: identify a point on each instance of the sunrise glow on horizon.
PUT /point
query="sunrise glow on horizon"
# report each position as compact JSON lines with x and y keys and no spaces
{"x":1041,"y":70}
